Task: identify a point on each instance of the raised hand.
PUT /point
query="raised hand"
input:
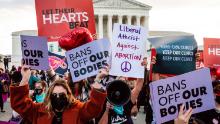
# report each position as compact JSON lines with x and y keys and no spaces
{"x":26,"y":73}
{"x":109,"y":106}
{"x":183,"y":117}
{"x":102,"y":73}
{"x":153,"y":60}
{"x":144,"y":62}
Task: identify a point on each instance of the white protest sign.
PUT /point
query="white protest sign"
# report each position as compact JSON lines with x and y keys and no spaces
{"x":128,"y":50}
{"x":86,"y":60}
{"x":193,"y":89}
{"x":35,"y":52}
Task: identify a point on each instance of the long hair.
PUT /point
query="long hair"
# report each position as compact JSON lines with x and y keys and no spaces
{"x":70,"y":98}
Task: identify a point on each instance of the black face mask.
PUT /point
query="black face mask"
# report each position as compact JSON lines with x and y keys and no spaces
{"x":217,"y":99}
{"x":38,"y":91}
{"x":58,"y":101}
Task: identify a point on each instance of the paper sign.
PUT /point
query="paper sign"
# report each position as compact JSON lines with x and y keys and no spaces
{"x":211,"y":52}
{"x":175,"y":54}
{"x":85,"y":61}
{"x":193,"y":89}
{"x":57,"y":17}
{"x":35,"y":52}
{"x":128,"y":50}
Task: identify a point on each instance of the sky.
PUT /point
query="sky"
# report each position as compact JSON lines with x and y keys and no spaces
{"x":199,"y":17}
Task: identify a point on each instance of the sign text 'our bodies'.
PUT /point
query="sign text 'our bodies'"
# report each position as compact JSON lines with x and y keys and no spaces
{"x":174,"y":96}
{"x":78,"y":61}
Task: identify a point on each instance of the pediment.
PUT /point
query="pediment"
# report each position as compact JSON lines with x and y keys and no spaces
{"x":128,"y":4}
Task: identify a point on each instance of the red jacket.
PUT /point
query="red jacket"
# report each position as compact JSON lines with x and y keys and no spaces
{"x":35,"y":112}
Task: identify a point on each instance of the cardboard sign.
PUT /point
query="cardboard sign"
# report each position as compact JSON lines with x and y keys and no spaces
{"x":85,"y":61}
{"x":128,"y":50}
{"x":169,"y":94}
{"x":211,"y":52}
{"x":35,"y":52}
{"x":57,"y":17}
{"x":58,"y":63}
{"x":175,"y":54}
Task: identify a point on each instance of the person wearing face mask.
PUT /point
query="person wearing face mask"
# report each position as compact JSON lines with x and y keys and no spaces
{"x":39,"y":92}
{"x":59,"y":106}
{"x":122,"y":114}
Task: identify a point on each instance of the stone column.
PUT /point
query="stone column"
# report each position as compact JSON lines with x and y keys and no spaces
{"x":138,"y":20}
{"x":100,"y":26}
{"x":120,"y":17}
{"x":110,"y":27}
{"x":146,"y":22}
{"x":129,"y":19}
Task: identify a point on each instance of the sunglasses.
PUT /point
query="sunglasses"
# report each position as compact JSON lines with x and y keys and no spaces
{"x":58,"y":95}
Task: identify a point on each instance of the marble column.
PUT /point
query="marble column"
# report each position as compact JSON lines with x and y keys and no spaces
{"x":146,"y":22}
{"x":138,"y":20}
{"x":110,"y":27}
{"x":100,"y":26}
{"x":129,"y":19}
{"x":120,"y":17}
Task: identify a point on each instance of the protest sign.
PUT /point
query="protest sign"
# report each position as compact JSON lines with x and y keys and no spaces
{"x":211,"y":52}
{"x":128,"y":50}
{"x":86,"y":60}
{"x":58,"y":63}
{"x":57,"y":17}
{"x":175,"y":54}
{"x":35,"y":52}
{"x":169,"y":94}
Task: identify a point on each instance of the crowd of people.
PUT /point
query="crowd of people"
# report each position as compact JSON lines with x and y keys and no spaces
{"x":46,"y":97}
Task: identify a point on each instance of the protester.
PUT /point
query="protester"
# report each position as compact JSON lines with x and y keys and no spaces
{"x":4,"y":77}
{"x":1,"y":99}
{"x":16,"y":78}
{"x":81,"y":90}
{"x":42,"y":75}
{"x":110,"y":116}
{"x":33,"y":79}
{"x":13,"y":68}
{"x":4,"y":89}
{"x":6,"y":63}
{"x":39,"y":92}
{"x":59,"y":105}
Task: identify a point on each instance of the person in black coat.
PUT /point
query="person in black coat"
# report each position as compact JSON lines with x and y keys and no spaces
{"x":6,"y":63}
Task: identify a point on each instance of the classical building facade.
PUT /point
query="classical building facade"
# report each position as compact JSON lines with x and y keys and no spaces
{"x":108,"y":12}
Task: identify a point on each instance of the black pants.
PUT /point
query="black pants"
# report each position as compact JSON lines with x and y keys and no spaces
{"x":6,"y":66}
{"x":1,"y":102}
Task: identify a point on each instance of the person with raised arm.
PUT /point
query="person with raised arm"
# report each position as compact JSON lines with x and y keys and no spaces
{"x":59,"y":106}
